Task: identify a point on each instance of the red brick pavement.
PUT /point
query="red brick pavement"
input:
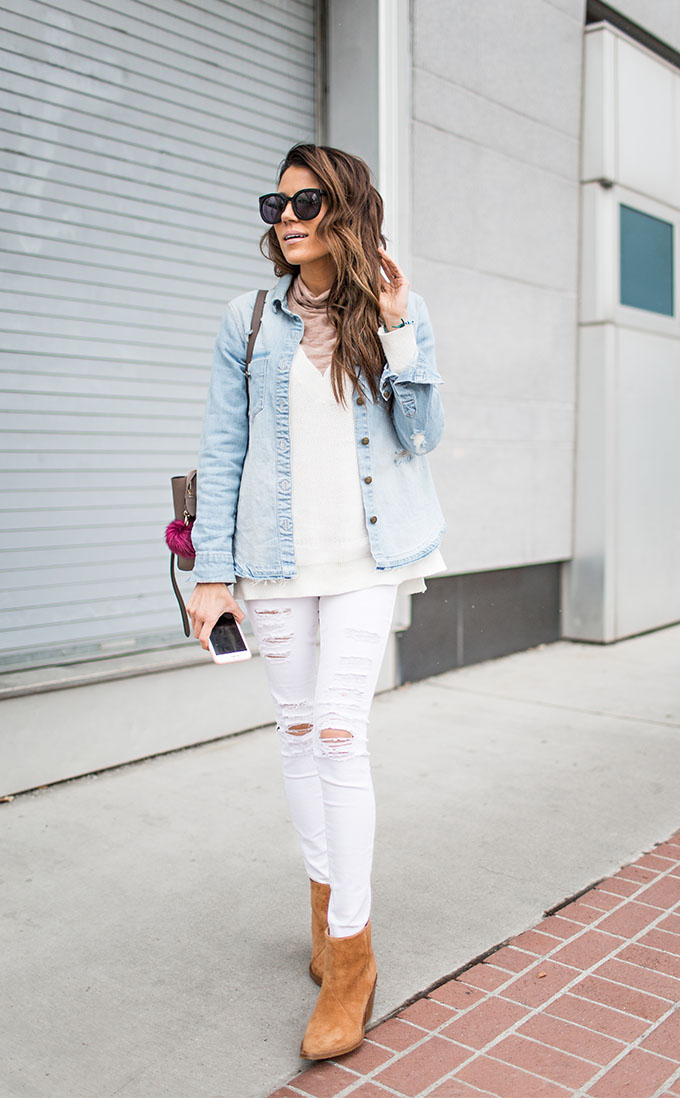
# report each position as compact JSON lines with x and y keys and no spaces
{"x":584,"y":1005}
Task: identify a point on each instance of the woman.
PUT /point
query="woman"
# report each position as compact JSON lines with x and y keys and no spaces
{"x":315,"y":500}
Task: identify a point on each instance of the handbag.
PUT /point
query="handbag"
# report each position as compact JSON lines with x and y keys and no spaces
{"x":184,"y":491}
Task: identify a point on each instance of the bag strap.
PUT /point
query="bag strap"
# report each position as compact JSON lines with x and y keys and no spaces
{"x":255,"y":326}
{"x":254,"y":330}
{"x":178,"y":595}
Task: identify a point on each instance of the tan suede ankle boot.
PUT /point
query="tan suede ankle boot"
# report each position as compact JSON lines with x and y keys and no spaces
{"x":320,"y":894}
{"x":345,"y":1001}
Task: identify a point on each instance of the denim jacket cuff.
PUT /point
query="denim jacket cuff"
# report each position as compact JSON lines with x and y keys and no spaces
{"x":214,"y":568}
{"x":417,"y":374}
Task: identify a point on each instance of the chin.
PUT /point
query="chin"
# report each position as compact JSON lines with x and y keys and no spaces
{"x":294,"y":256}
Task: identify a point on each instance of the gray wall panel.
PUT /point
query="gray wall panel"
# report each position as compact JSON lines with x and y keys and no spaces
{"x":625,"y":573}
{"x":496,"y":123}
{"x":136,"y":137}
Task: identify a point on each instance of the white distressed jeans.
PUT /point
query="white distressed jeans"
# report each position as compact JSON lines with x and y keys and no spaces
{"x":322,"y":722}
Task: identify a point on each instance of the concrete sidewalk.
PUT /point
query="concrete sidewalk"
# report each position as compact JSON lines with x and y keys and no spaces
{"x":155,"y":918}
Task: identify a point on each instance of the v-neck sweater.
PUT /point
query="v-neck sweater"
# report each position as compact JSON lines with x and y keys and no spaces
{"x":332,"y":548}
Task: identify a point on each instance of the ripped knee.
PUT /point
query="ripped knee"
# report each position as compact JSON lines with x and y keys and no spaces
{"x":296,"y":739}
{"x":299,"y":729}
{"x":336,"y":743}
{"x":296,"y":728}
{"x":336,"y":734}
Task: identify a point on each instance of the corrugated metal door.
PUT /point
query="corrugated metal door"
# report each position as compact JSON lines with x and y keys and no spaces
{"x":137,"y":137}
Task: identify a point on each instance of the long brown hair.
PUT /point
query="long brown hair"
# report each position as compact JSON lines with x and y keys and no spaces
{"x":352,"y":229}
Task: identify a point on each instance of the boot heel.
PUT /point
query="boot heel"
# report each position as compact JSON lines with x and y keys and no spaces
{"x":369,"y":1006}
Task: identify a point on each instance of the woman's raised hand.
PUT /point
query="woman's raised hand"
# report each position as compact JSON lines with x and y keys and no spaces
{"x":393,"y":292}
{"x":207,"y":602}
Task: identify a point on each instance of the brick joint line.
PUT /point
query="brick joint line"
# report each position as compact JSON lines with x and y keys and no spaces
{"x":628,"y":1048}
{"x":667,"y":1083}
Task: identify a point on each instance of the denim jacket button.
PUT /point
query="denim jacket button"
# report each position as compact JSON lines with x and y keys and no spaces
{"x":360,"y":400}
{"x":368,"y":480}
{"x":374,"y":519}
{"x":364,"y":441}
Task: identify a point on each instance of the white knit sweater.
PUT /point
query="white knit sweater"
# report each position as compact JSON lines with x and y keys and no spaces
{"x":332,"y":549}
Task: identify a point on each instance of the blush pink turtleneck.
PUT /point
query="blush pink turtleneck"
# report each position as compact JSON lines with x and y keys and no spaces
{"x":319,"y":335}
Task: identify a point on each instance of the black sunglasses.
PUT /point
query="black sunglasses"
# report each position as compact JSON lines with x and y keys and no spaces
{"x":306,"y":204}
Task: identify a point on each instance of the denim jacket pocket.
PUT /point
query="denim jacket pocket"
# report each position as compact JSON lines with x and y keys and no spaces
{"x":257,"y":375}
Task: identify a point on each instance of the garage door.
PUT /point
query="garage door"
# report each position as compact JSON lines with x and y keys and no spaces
{"x":137,"y":137}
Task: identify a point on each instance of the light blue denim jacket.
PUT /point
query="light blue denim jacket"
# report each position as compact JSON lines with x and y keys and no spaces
{"x":244,"y":523}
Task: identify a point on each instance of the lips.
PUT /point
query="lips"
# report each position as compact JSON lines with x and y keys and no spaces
{"x":289,"y":237}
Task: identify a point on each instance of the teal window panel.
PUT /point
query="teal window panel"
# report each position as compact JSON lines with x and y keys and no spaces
{"x":646,"y":261}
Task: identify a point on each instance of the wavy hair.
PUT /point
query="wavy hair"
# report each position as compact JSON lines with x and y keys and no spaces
{"x":352,"y":229}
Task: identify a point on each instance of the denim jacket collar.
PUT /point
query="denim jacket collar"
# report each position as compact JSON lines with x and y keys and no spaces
{"x":278,"y":294}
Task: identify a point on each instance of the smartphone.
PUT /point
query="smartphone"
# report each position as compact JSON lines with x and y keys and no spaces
{"x":227,"y":643}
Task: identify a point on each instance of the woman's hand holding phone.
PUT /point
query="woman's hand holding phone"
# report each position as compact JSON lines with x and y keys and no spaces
{"x":207,"y":603}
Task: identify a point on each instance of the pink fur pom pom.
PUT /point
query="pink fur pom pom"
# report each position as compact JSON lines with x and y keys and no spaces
{"x":178,"y":539}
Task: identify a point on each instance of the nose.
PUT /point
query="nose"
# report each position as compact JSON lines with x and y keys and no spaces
{"x":287,"y":212}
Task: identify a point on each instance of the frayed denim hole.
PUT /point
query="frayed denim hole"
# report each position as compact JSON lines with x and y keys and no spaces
{"x":296,"y":739}
{"x":356,"y":663}
{"x":419,"y":443}
{"x":341,"y":716}
{"x":362,"y":635}
{"x":273,"y":644}
{"x":333,"y":746}
{"x":351,"y":683}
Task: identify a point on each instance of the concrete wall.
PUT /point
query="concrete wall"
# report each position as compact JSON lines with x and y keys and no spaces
{"x":496,"y":105}
{"x":625,"y":573}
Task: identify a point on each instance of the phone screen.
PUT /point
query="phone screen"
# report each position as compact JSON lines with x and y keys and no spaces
{"x":226,"y":636}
